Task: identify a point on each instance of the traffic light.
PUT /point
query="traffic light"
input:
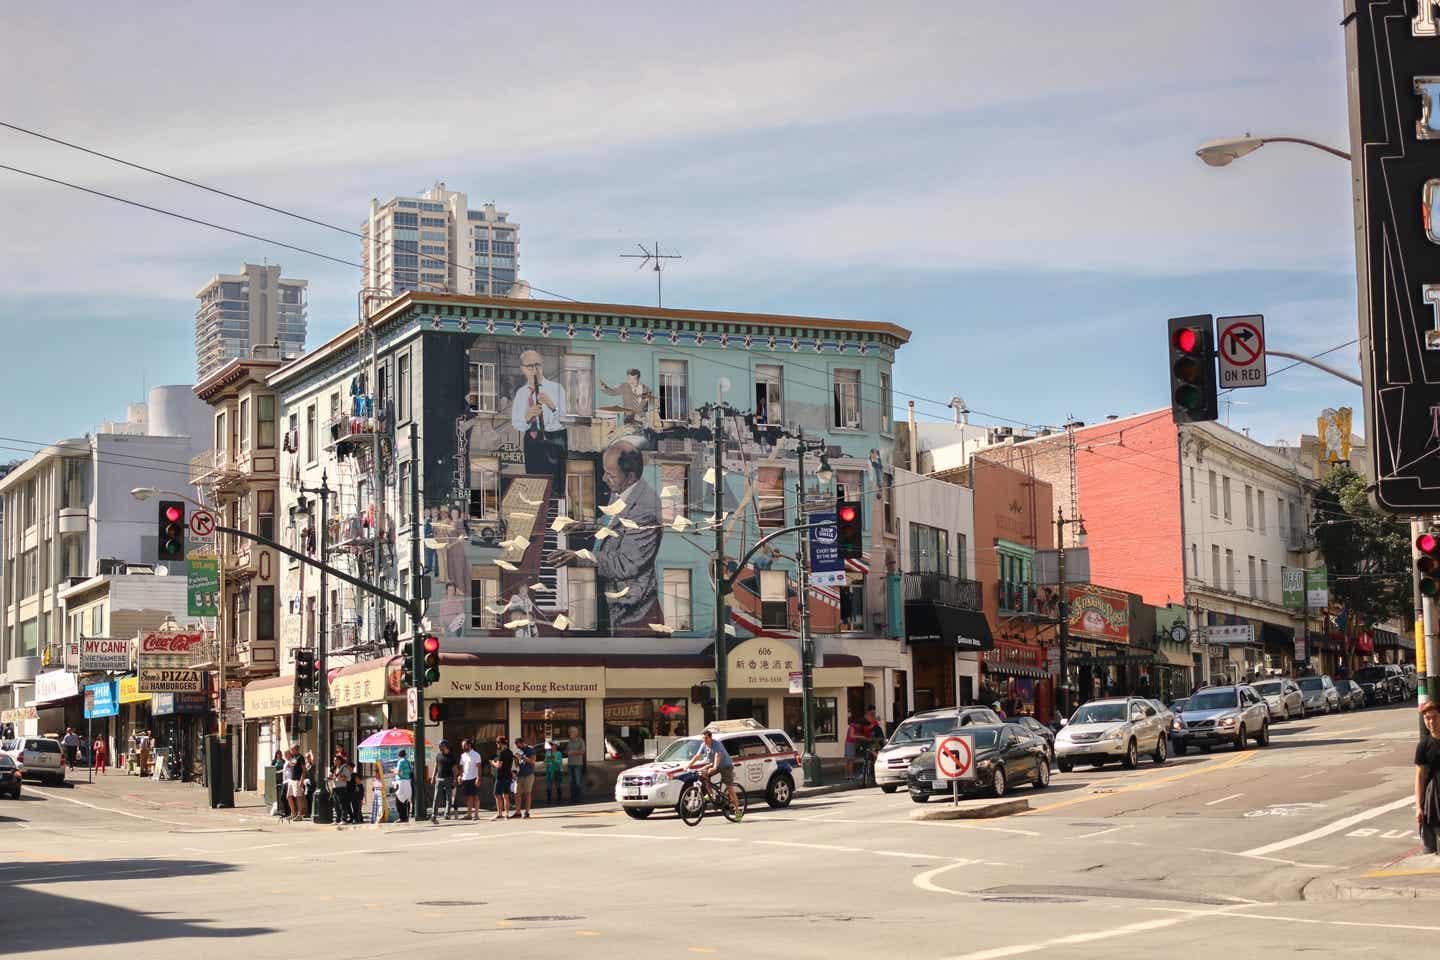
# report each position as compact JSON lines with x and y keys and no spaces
{"x":305,"y":670}
{"x":850,"y":528}
{"x":435,"y":712}
{"x":1427,"y":565}
{"x":170,"y":530}
{"x":1192,"y":369}
{"x":430,"y":649}
{"x":407,"y":664}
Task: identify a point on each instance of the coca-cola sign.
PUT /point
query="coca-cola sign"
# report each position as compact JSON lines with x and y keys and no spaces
{"x":169,"y":649}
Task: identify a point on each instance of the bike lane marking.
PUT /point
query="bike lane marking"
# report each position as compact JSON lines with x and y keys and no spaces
{"x":1329,"y":828}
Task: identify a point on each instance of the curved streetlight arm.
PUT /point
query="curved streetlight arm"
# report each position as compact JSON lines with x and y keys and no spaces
{"x":1333,"y":151}
{"x":729,"y":582}
{"x":1300,"y":358}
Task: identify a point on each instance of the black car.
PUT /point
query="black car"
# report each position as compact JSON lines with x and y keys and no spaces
{"x":1037,"y":729}
{"x":1005,"y":754}
{"x":1382,"y":683}
{"x":9,"y":777}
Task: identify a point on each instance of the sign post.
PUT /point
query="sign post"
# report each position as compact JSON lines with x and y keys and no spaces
{"x":955,"y":760}
{"x":1242,"y":351}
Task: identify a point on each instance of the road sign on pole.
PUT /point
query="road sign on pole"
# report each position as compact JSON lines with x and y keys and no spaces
{"x":202,"y":585}
{"x":1242,"y":351}
{"x":955,"y":757}
{"x":202,"y":523}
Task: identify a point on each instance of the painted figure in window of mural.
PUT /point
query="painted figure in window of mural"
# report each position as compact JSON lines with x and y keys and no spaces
{"x":538,"y":412}
{"x":626,"y":560}
{"x":636,"y":399}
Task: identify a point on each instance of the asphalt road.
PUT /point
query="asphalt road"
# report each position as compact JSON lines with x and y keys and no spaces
{"x":1219,"y":855}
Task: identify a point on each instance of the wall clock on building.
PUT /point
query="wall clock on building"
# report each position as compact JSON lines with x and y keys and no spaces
{"x":1179,"y":633}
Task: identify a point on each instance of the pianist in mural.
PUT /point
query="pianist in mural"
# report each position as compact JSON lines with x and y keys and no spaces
{"x":628,"y":541}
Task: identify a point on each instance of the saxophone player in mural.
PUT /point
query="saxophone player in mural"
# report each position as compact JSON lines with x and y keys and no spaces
{"x":538,"y":412}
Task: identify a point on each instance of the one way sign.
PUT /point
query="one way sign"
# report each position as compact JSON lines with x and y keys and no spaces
{"x":1242,"y":351}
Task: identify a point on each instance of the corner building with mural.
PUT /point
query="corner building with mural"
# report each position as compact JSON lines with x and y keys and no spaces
{"x":566,"y":511}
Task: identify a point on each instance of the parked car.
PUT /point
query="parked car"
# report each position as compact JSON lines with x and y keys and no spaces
{"x":766,"y":761}
{"x":1116,"y":729}
{"x":40,"y":758}
{"x":1320,"y":694}
{"x":10,"y":774}
{"x":1282,"y":695}
{"x":892,"y":763}
{"x":1005,"y":754}
{"x":1351,"y":696}
{"x":1038,"y":729}
{"x":1178,"y":706}
{"x":1382,"y":683}
{"x":1216,"y":715}
{"x":1410,"y":676}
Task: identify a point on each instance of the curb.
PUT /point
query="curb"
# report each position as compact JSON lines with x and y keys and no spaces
{"x":1352,"y":888}
{"x":972,"y":809}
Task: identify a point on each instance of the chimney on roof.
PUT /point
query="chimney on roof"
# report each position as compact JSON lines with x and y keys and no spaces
{"x":962,"y":412}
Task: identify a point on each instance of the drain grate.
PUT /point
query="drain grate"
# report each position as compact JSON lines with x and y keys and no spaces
{"x":558,"y":918}
{"x":449,"y":903}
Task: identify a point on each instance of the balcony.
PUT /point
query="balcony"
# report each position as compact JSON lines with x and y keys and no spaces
{"x":1017,"y":599}
{"x":941,"y":588}
{"x":226,"y":471}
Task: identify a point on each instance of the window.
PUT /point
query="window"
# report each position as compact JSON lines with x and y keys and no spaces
{"x":482,"y":387}
{"x":542,"y":720}
{"x":769,"y":400}
{"x":580,"y":490}
{"x":222,"y":437}
{"x":265,"y":513}
{"x":674,"y":491}
{"x":310,"y":434}
{"x":960,"y":557}
{"x":774,"y":599}
{"x":29,"y":573}
{"x":1195,"y":562}
{"x":577,"y":376}
{"x":1192,"y":484}
{"x":887,"y":497}
{"x":406,"y":220}
{"x":265,"y":425}
{"x":1015,"y":581}
{"x":675,"y":601}
{"x":1225,"y":489}
{"x":827,"y":718}
{"x":1254,"y":582}
{"x":630,"y":721}
{"x":72,"y":555}
{"x":846,"y":386}
{"x":244,"y":424}
{"x":1230,"y":570}
{"x":1260,"y":509}
{"x":770,"y":497}
{"x":1249,"y":507}
{"x":929,"y":549}
{"x":484,"y":592}
{"x":852,"y":603}
{"x":1282,"y":518}
{"x":1295,"y":527}
{"x":1264,"y":580}
{"x":402,"y":388}
{"x":674,"y":396}
{"x":887,"y":405}
{"x":29,"y":639}
{"x":1215,"y":579}
{"x":485,"y":489}
{"x":1214,"y":495}
{"x":74,"y":483}
{"x":403,"y":493}
{"x":581,"y":598}
{"x":265,"y":613}
{"x":334,"y":405}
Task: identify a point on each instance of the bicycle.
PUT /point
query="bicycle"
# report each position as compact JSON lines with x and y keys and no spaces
{"x":702,"y":792}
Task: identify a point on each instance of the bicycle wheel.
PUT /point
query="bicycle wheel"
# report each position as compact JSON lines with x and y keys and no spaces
{"x":691,"y":805}
{"x":734,"y":812}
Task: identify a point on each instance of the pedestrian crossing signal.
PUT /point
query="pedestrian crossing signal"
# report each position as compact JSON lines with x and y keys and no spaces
{"x":1427,"y":564}
{"x":435,"y":712}
{"x":407,"y":665}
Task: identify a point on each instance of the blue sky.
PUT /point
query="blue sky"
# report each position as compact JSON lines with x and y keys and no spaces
{"x":1019,"y":190}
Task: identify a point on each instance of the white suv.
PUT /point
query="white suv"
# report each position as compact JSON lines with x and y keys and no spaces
{"x":765,"y":761}
{"x":39,"y":757}
{"x":917,"y":734}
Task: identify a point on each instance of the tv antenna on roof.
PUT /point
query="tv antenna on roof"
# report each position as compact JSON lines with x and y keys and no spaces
{"x":658,"y":259}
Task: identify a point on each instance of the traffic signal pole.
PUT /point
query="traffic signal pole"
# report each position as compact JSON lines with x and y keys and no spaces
{"x":320,"y":810}
{"x":722,"y":583}
{"x":417,"y":764}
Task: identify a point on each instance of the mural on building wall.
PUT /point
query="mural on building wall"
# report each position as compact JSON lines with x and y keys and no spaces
{"x":564,"y":486}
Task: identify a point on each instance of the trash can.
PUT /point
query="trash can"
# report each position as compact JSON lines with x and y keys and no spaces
{"x":219,"y":781}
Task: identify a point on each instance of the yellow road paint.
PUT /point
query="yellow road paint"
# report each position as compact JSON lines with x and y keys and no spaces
{"x":587,"y":933}
{"x":325,"y":896}
{"x":1400,"y":873}
{"x":1141,"y":785}
{"x":374,"y":906}
{"x":498,"y":923}
{"x":703,"y":950}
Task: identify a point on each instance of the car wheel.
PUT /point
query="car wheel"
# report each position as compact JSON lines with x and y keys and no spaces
{"x":1180,"y":748}
{"x":889,"y":787}
{"x":1262,"y":739}
{"x":1242,"y":739}
{"x":1132,"y":755}
{"x":1042,"y":775}
{"x":920,"y":797}
{"x":1065,"y":766}
{"x":638,"y":813}
{"x":1160,"y":753}
{"x":780,"y":791}
{"x":998,"y":784}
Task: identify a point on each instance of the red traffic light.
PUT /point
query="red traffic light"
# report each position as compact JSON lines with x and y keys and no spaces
{"x":1427,"y":542}
{"x":431,"y":644}
{"x":173,"y":514}
{"x":847,"y":514}
{"x":1186,"y":340}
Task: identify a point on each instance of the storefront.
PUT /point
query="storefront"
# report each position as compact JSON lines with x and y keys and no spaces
{"x":759,"y":676}
{"x":181,"y":720}
{"x":102,"y":706}
{"x":1018,"y":678}
{"x":946,"y":646}
{"x":270,"y":720}
{"x":58,"y":703}
{"x":1279,"y":645}
{"x":1393,"y":646}
{"x":359,"y":704}
{"x":134,"y":720}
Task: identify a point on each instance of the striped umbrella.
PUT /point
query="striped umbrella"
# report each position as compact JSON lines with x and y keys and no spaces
{"x":385,"y":746}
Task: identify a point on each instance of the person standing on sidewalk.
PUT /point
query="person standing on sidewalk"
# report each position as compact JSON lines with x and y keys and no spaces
{"x":443,"y":776}
{"x":504,"y":764}
{"x":524,"y":778}
{"x":295,"y":784}
{"x":554,"y":767}
{"x":1427,"y":777}
{"x":71,"y":743}
{"x":470,"y":760}
{"x":404,"y":770}
{"x":99,"y":755}
{"x":575,"y":760}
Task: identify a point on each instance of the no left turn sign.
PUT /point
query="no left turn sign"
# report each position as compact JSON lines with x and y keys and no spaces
{"x":954,"y":757}
{"x":1242,"y":351}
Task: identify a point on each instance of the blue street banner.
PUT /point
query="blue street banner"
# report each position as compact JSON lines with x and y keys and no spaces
{"x":827,"y":567}
{"x":101,"y":701}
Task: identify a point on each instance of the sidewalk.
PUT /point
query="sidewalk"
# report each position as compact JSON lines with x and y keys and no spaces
{"x":1415,"y":877}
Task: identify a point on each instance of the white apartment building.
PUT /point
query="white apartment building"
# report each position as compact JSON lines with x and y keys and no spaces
{"x":1246,"y":515}
{"x":436,"y":242}
{"x":256,"y":307}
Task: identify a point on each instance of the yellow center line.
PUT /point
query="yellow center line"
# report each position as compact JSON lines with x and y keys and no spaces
{"x":703,"y":950}
{"x":587,"y":933}
{"x":1400,"y":873}
{"x":1142,"y":785}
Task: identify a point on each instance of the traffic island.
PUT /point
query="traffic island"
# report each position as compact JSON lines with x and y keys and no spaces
{"x":971,"y":809}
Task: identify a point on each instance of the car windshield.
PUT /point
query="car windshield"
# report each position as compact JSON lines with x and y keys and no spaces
{"x":1269,"y":689}
{"x":984,"y":737}
{"x":1213,"y":700}
{"x":1370,"y":674}
{"x":1179,"y":705}
{"x":921,"y":731}
{"x":679,"y":750}
{"x":1312,"y":683}
{"x":1100,"y":713}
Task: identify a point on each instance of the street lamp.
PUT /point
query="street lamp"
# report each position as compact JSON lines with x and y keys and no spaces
{"x":1223,"y":152}
{"x":1063,"y":694}
{"x":825,"y":474}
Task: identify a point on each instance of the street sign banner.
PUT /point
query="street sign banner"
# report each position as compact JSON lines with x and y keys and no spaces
{"x":309,"y":701}
{"x":1241,"y":351}
{"x":1317,"y":588}
{"x":103,"y":653}
{"x":1391,"y":50}
{"x":202,"y":523}
{"x":202,"y":585}
{"x":827,"y":567}
{"x":955,"y":757}
{"x":1292,"y":587}
{"x":1241,"y":633}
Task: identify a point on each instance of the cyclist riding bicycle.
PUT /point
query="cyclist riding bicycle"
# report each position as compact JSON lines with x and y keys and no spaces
{"x":712,"y":754}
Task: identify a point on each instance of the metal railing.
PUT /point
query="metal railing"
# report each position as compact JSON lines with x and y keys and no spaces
{"x":942,"y":588}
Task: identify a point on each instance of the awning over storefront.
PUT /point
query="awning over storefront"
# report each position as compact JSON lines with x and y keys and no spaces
{"x":1279,"y":638}
{"x":1016,"y":660}
{"x":1390,"y":640}
{"x":271,"y":697}
{"x":361,"y":683}
{"x":1015,"y":670}
{"x":928,"y":622}
{"x":1173,"y":656}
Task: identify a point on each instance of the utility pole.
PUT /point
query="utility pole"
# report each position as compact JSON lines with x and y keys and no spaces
{"x":722,"y":583}
{"x":1063,"y":693}
{"x":417,"y":765}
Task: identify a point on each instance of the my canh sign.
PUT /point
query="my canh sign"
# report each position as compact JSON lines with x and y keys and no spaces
{"x":103,"y":653}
